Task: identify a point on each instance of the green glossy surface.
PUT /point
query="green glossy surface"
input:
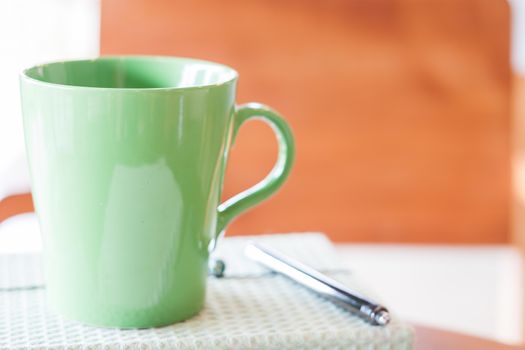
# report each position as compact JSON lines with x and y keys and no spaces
{"x":127,"y":156}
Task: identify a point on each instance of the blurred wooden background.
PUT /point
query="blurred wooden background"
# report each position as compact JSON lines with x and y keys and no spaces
{"x":400,"y":108}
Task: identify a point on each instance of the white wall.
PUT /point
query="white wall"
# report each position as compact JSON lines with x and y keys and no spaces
{"x":36,"y":31}
{"x":518,"y":35}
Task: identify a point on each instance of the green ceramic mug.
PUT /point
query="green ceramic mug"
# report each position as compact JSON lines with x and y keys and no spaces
{"x":127,"y":158}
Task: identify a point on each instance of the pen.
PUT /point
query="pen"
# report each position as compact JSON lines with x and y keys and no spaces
{"x":329,"y":288}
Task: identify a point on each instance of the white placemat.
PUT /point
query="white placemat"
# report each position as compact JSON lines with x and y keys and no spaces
{"x":248,"y":309}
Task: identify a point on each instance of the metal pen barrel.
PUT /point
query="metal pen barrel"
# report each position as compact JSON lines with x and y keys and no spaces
{"x":320,"y":283}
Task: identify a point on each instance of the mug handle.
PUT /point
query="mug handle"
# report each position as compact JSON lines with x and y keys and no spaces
{"x":234,"y":206}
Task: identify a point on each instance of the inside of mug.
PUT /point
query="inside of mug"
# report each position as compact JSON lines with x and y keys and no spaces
{"x":133,"y":73}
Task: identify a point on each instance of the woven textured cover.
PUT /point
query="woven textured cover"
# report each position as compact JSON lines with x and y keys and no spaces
{"x":248,"y":309}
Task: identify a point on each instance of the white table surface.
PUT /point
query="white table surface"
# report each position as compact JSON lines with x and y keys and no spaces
{"x":476,"y":290}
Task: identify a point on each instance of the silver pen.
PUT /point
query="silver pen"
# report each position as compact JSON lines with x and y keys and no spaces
{"x":329,"y":288}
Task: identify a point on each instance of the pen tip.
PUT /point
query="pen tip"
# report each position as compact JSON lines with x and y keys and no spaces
{"x":382,"y":318}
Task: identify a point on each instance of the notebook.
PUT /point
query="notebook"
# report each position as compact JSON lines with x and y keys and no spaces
{"x":249,"y":308}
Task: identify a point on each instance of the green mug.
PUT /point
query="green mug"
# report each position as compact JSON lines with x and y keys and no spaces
{"x":127,"y":158}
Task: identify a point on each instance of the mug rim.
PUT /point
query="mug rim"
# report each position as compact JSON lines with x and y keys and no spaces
{"x":234,"y":75}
